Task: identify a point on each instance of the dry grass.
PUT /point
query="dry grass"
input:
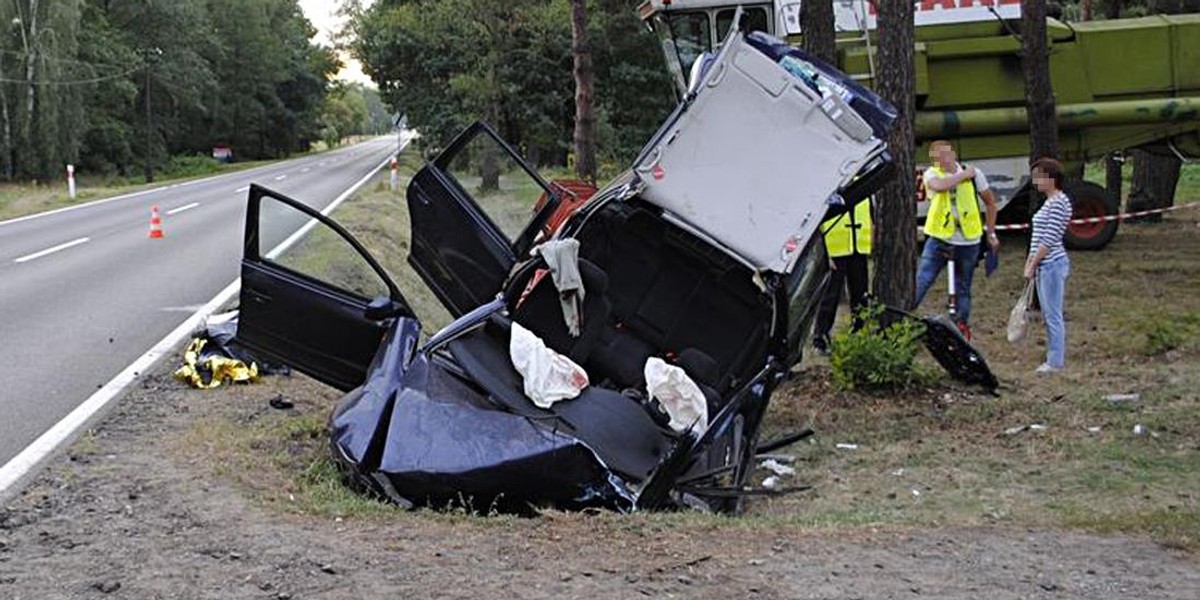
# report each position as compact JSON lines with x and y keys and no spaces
{"x":930,"y":457}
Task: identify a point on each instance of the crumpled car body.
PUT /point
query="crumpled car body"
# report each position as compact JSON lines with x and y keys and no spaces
{"x":705,"y":254}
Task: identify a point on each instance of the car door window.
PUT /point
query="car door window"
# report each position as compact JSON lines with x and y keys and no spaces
{"x":753,"y":19}
{"x":500,"y":186}
{"x":291,"y":239}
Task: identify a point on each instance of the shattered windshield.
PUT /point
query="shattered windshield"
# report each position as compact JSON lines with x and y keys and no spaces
{"x":684,"y":37}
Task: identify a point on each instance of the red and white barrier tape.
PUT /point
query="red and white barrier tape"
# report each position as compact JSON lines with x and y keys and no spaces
{"x":1120,"y":217}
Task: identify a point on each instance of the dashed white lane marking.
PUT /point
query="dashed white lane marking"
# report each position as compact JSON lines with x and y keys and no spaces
{"x":183,"y":208}
{"x":305,"y":170}
{"x":24,"y":464}
{"x":69,"y":244}
{"x":281,"y":177}
{"x":241,"y":189}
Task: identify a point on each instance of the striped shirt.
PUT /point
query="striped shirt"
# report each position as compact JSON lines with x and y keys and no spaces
{"x":1050,"y":225}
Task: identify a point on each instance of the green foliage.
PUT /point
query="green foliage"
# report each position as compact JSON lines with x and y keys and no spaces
{"x":446,"y":63}
{"x":1175,"y":332}
{"x":877,"y":357}
{"x":190,"y":166}
{"x":84,"y":73}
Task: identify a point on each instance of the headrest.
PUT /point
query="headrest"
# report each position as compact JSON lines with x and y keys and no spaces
{"x":700,"y":366}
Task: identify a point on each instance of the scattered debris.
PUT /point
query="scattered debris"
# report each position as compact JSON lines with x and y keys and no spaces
{"x":281,"y":403}
{"x":1021,"y":428}
{"x":328,"y":568}
{"x":916,"y":492}
{"x":771,"y":482}
{"x":773,"y":466}
{"x":1093,"y":430}
{"x":898,"y":472}
{"x":108,"y":586}
{"x":847,"y":446}
{"x":1118,"y":399}
{"x":1140,"y":429}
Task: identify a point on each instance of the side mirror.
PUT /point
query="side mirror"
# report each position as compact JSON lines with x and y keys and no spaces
{"x":382,"y":308}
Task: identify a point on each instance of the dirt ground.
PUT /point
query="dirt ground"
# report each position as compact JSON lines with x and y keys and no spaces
{"x":135,"y":511}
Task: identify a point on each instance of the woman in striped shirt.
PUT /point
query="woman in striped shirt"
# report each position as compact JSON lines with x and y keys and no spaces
{"x":1048,"y":259}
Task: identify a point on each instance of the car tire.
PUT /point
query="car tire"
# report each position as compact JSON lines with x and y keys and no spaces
{"x":1091,"y":200}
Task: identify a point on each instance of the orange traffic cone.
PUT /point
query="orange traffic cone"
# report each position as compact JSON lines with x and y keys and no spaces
{"x":155,"y":223}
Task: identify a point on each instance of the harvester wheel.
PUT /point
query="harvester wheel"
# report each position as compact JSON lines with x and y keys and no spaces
{"x":1091,"y":200}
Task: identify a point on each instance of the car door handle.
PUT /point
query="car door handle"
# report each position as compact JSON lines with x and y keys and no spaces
{"x":258,"y":297}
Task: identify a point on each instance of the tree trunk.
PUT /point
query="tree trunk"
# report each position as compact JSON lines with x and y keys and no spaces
{"x":895,"y":209}
{"x":1085,"y":10}
{"x":489,"y":169}
{"x":7,"y":156}
{"x":1155,"y":175}
{"x":1113,"y":179}
{"x":1112,"y":9}
{"x":816,"y":22}
{"x":1039,"y":94}
{"x":585,"y":114}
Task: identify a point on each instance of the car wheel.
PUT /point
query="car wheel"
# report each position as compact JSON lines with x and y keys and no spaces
{"x":1090,"y":200}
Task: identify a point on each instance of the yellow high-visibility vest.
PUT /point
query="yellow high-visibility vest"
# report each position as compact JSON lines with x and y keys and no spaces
{"x":850,"y":232}
{"x":939,"y":222}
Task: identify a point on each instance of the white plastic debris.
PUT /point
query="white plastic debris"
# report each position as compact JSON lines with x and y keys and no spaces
{"x":773,"y":466}
{"x":1093,"y":430}
{"x":1020,"y":428}
{"x":771,"y":482}
{"x":678,"y":395}
{"x":1122,"y":398}
{"x":548,"y":376}
{"x":847,"y":446}
{"x":916,"y":492}
{"x":898,"y":472}
{"x":1139,"y":429}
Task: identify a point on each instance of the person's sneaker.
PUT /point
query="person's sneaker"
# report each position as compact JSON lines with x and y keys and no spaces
{"x":964,"y":330}
{"x":1046,"y":369}
{"x":821,"y":345}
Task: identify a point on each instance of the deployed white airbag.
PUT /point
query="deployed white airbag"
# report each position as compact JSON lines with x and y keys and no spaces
{"x":678,"y":395}
{"x":548,"y":376}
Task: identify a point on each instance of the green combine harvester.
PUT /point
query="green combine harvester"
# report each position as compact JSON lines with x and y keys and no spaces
{"x":1118,"y":84}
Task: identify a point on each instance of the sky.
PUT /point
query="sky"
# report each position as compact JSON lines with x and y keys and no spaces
{"x":322,"y":15}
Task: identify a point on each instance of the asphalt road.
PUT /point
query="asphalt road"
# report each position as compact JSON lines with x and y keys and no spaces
{"x":84,"y":292}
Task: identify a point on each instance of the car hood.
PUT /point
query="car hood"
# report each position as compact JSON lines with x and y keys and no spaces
{"x":755,"y":154}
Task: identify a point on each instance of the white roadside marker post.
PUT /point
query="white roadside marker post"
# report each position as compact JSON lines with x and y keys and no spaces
{"x":71,"y":181}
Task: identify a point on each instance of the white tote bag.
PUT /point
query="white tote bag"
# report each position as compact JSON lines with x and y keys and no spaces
{"x":1018,"y":319}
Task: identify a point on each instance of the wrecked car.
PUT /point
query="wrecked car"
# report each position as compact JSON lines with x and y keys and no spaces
{"x":703,"y":257}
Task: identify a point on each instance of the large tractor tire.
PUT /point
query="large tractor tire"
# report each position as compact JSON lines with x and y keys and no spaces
{"x":1091,"y":200}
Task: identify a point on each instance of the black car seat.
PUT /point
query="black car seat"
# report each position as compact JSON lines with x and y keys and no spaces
{"x":703,"y":370}
{"x":540,"y":311}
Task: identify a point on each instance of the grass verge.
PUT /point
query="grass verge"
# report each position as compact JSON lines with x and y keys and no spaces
{"x":932,"y":456}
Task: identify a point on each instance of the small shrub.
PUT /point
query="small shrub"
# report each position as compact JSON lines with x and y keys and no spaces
{"x":877,"y":357}
{"x":189,"y":166}
{"x":1162,"y":338}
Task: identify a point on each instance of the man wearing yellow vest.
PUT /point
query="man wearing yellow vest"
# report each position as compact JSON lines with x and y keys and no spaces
{"x":848,"y":243}
{"x":953,"y":226}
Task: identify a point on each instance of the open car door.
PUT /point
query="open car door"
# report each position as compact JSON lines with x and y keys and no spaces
{"x":311,"y":296}
{"x":474,"y":212}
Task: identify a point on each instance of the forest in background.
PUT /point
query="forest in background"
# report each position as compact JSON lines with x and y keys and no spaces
{"x":108,"y":85}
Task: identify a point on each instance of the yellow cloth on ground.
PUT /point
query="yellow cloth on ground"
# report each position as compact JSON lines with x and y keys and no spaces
{"x":221,"y":368}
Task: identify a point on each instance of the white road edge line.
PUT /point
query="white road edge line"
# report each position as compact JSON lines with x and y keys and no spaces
{"x":66,"y":430}
{"x":140,"y":193}
{"x":72,"y":243}
{"x":183,"y":208}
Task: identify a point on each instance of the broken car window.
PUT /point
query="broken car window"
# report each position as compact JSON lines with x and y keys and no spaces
{"x":319,"y":252}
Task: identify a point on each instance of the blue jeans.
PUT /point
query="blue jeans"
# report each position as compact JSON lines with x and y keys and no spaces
{"x":1051,"y":290}
{"x":933,"y":260}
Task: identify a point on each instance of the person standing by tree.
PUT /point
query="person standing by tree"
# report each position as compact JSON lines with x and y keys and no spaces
{"x":848,"y":243}
{"x":1048,"y":259}
{"x":953,"y":227}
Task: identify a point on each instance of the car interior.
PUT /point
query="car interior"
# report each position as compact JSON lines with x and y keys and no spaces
{"x":651,"y":290}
